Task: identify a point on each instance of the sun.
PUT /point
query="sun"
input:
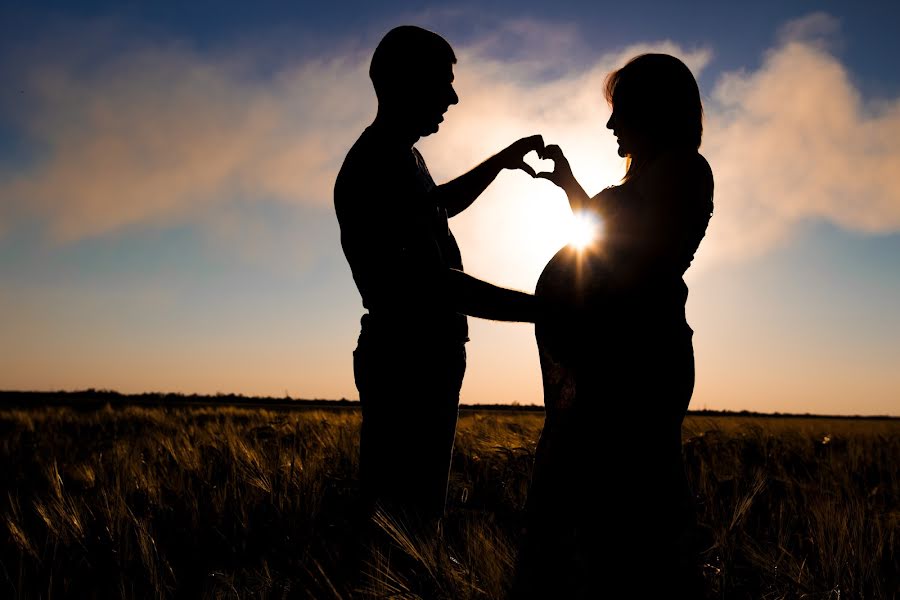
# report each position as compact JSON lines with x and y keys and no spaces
{"x":584,"y":229}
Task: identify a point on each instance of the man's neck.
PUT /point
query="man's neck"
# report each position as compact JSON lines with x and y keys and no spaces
{"x":395,"y":128}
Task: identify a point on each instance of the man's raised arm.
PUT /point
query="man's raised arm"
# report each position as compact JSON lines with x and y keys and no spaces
{"x":457,"y":195}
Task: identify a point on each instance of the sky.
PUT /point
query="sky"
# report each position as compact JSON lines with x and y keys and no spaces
{"x":166,"y":174}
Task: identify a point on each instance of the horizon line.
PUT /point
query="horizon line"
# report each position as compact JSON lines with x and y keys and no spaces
{"x":102,"y":396}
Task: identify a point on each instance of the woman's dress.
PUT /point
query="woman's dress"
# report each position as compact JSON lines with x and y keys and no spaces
{"x":609,"y":499}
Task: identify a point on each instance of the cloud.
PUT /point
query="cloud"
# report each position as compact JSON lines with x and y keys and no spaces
{"x":163,"y":134}
{"x":817,"y":28}
{"x":795,"y":141}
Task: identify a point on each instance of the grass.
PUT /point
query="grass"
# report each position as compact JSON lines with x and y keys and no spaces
{"x":247,"y":503}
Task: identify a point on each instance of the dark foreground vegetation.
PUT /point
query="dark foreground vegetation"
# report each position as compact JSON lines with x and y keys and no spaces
{"x":228,"y":502}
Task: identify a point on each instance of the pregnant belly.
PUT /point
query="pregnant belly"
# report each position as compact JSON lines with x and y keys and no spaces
{"x":569,"y":276}
{"x":555,"y":279}
{"x":571,"y":280}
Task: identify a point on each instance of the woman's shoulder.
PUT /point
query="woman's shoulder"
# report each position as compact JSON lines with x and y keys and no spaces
{"x":680,"y":172}
{"x":681,"y":164}
{"x":687,"y":171}
{"x":607,"y":192}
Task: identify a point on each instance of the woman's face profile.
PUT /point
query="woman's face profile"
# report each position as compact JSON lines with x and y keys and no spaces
{"x":631,"y":140}
{"x":623,"y":133}
{"x":613,"y":126}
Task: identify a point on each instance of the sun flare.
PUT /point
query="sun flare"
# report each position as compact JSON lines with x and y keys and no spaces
{"x":584,"y":229}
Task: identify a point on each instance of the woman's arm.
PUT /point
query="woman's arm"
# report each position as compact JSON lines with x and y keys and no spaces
{"x":563,"y":177}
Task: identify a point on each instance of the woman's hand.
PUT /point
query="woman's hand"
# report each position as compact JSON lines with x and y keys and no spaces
{"x":562,"y":172}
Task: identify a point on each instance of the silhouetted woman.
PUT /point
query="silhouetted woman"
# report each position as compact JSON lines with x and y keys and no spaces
{"x":610,"y":513}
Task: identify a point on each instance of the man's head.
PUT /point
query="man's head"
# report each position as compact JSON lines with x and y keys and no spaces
{"x":412,"y":71}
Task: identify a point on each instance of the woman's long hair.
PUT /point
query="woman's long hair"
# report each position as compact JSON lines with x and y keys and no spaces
{"x":658,"y":96}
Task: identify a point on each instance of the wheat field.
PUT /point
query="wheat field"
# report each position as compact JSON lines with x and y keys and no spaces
{"x":224,"y":502}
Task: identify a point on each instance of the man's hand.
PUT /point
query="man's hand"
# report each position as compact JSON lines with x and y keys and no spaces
{"x":513,"y":157}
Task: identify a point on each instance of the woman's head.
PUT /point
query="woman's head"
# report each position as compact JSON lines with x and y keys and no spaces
{"x":656,"y":105}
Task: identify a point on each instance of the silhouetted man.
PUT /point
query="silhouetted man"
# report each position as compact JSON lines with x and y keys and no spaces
{"x":410,"y":358}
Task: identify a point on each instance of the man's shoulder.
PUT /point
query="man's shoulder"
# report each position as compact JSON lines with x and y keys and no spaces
{"x":374,"y":167}
{"x":371,"y":159}
{"x":361,"y":153}
{"x":359,"y":166}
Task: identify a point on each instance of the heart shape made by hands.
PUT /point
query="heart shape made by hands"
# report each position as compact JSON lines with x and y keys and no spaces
{"x":538,"y":164}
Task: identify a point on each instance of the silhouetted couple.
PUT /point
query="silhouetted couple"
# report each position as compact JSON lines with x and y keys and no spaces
{"x":609,"y":504}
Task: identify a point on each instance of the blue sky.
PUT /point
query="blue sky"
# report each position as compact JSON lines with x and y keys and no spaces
{"x":165,"y":175}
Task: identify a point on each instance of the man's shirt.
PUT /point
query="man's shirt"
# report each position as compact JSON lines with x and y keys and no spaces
{"x":397,"y":240}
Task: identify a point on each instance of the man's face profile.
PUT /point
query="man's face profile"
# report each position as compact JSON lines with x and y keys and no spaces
{"x":430,"y":94}
{"x":412,"y":71}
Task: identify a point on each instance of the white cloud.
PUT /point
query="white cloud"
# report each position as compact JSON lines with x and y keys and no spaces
{"x":817,"y":28}
{"x":794,"y":140}
{"x":164,"y":134}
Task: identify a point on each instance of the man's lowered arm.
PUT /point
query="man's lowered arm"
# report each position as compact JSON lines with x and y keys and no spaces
{"x":478,"y":298}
